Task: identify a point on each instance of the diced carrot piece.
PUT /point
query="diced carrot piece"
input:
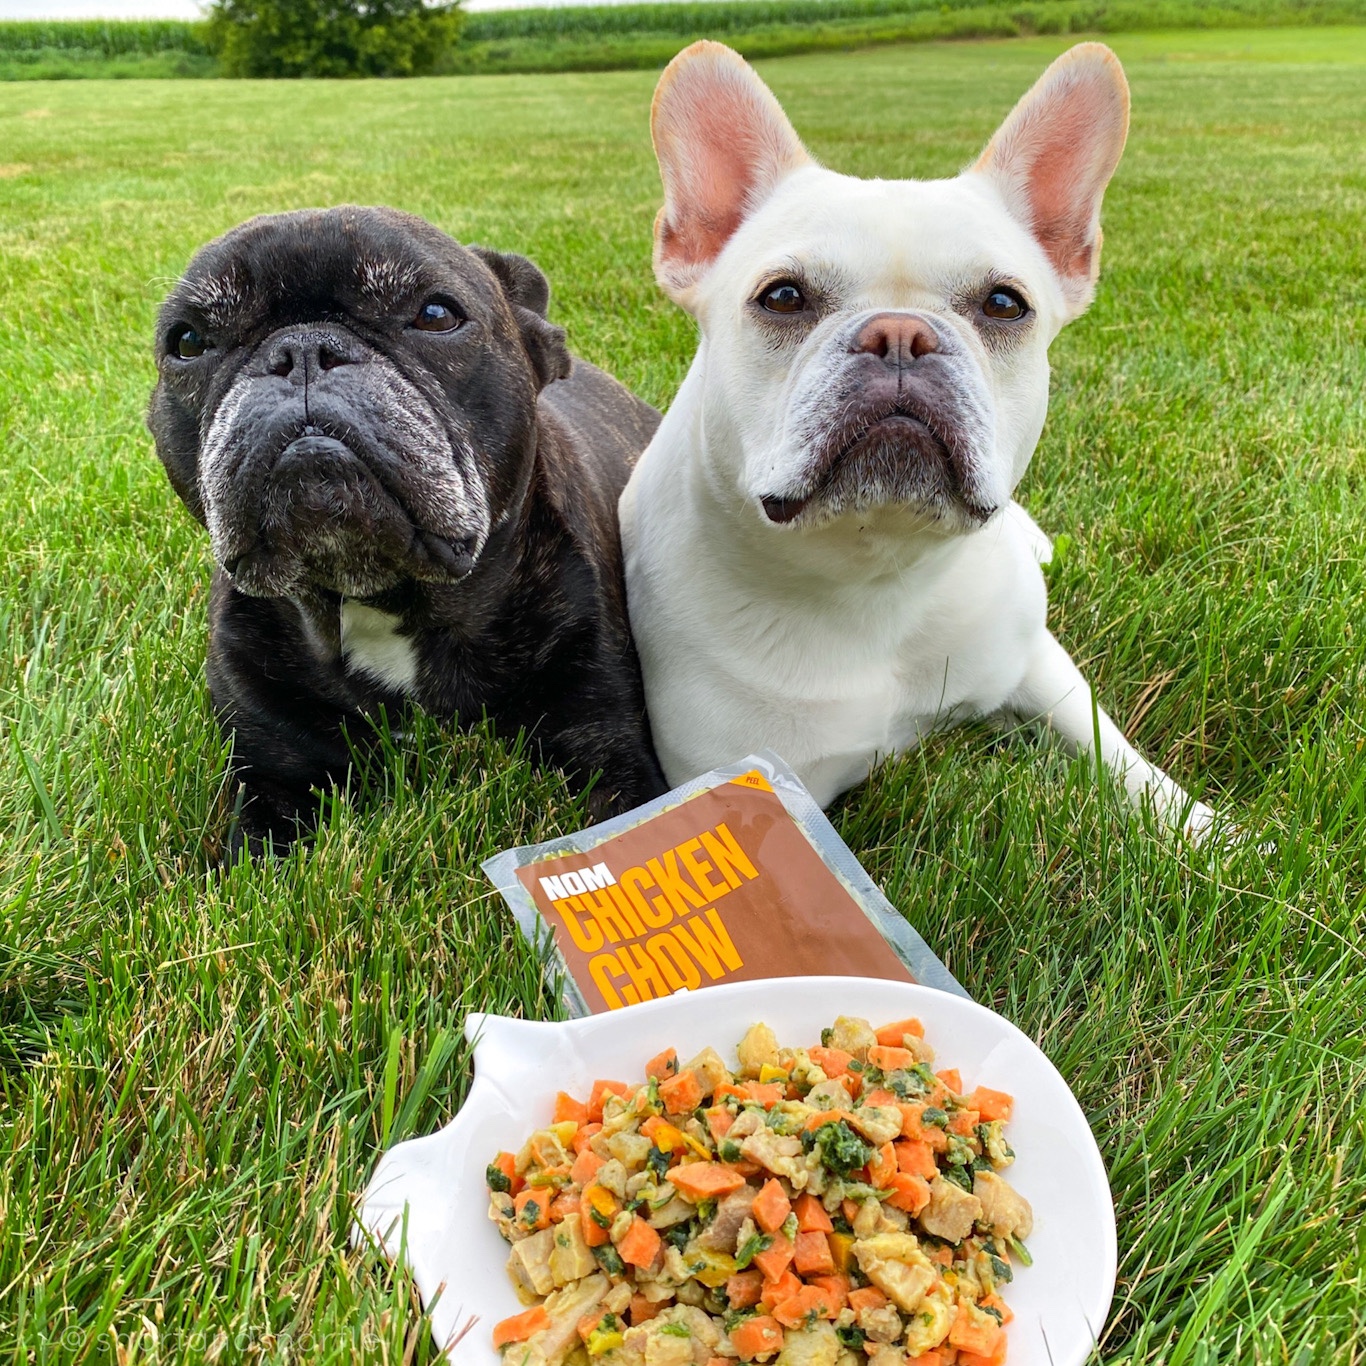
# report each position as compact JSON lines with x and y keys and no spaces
{"x":870,"y":1297}
{"x":810,"y":1299}
{"x":811,"y":1215}
{"x":882,"y":1166}
{"x":653,"y":1125}
{"x":963,"y":1123}
{"x":774,"y":1261}
{"x":776,"y":1292}
{"x":994,"y":1358}
{"x":643,"y":1310}
{"x":951,"y":1078}
{"x":640,"y":1244}
{"x":893,"y":1034}
{"x":745,"y":1167}
{"x":889,"y":1059}
{"x":943,"y":1254}
{"x":719,"y":1120}
{"x":521,"y":1326}
{"x":837,"y":1287}
{"x":991,"y":1105}
{"x":567,"y":1108}
{"x":601,"y":1090}
{"x":541,"y":1199}
{"x":911,"y":1193}
{"x":585,"y":1168}
{"x":849,"y":1208}
{"x":681,"y":1093}
{"x":914,"y":1127}
{"x":585,"y":1135}
{"x":589,"y":1322}
{"x":563,"y":1205}
{"x":915,"y":1157}
{"x":727,"y":1089}
{"x":995,"y":1302}
{"x":768,"y":1094}
{"x":812,"y":1256}
{"x":705,"y":1180}
{"x":934,"y":1357}
{"x":717,"y":1361}
{"x":663,"y":1065}
{"x":824,"y":1117}
{"x":834,"y":1062}
{"x":771,"y":1206}
{"x":744,"y":1288}
{"x":756,"y":1337}
{"x":970,"y":1335}
{"x":881,"y":1097}
{"x":596,"y":1199}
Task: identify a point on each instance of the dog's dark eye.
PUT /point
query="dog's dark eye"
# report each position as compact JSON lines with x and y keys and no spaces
{"x":435,"y":316}
{"x":784,"y":297}
{"x":186,"y":343}
{"x":1004,"y":305}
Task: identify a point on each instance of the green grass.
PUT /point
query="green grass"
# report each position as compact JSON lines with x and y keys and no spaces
{"x":198,"y":1069}
{"x":618,"y":37}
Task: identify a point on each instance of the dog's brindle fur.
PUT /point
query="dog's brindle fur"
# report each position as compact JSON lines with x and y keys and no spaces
{"x":534,"y":635}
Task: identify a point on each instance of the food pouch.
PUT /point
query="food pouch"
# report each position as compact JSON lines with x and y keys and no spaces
{"x":733,"y":876}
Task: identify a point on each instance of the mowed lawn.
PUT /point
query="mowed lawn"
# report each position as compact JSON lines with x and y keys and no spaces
{"x":199,"y":1068}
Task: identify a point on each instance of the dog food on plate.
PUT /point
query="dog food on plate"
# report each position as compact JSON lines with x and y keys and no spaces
{"x":840,"y":1204}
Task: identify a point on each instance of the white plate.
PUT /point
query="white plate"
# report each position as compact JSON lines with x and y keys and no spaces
{"x":428,"y":1197}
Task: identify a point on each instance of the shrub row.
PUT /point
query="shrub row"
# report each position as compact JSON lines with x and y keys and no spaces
{"x":588,"y":38}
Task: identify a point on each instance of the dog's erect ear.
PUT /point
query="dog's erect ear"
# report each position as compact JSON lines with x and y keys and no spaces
{"x":723,"y":144}
{"x":528,"y":291}
{"x":1054,"y":155}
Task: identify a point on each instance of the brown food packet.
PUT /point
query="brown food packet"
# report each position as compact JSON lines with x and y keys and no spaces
{"x":734,"y":876}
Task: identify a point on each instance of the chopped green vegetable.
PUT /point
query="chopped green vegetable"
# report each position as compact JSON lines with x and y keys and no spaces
{"x":676,"y":1330}
{"x":838,"y":1147}
{"x":679,"y":1235}
{"x":706,"y":1211}
{"x":610,"y":1260}
{"x":932,"y":1114}
{"x":752,"y":1247}
{"x":729,"y":1150}
{"x":531,"y":1214}
{"x":658,"y":1162}
{"x":1020,"y":1250}
{"x":497,"y":1179}
{"x":852,"y":1337}
{"x":789,"y":1228}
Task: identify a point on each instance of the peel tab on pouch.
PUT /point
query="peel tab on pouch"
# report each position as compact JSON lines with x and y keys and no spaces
{"x":720,"y":881}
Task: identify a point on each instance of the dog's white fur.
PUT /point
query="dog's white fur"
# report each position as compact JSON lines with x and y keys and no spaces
{"x":884,"y":610}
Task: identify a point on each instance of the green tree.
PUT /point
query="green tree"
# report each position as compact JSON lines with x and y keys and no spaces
{"x":332,"y":37}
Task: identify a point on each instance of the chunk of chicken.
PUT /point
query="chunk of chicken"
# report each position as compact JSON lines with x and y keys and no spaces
{"x":931,"y":1322}
{"x":529,"y":1264}
{"x":1004,"y":1210}
{"x":882,"y":1324}
{"x":896,"y":1265}
{"x":815,"y":1345}
{"x":879,"y":1124}
{"x":951,"y":1212}
{"x":710,"y":1069}
{"x":571,"y":1259}
{"x":734,"y":1209}
{"x":830,"y":1095}
{"x":759,"y":1048}
{"x":566,"y":1307}
{"x":853,"y":1035}
{"x":781,"y":1156}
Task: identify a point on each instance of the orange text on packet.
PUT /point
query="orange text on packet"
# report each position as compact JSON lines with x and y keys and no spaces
{"x":663,"y":916}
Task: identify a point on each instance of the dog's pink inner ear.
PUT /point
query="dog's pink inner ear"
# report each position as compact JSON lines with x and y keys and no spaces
{"x":723,"y":144}
{"x":1054,"y":155}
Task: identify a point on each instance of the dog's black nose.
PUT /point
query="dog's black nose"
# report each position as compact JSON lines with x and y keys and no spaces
{"x":297,"y":353}
{"x":898,"y":338}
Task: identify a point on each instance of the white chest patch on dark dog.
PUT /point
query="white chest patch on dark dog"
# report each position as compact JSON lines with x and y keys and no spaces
{"x":371,"y":642}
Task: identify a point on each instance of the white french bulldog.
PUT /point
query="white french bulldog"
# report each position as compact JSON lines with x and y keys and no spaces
{"x":822,"y":553}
